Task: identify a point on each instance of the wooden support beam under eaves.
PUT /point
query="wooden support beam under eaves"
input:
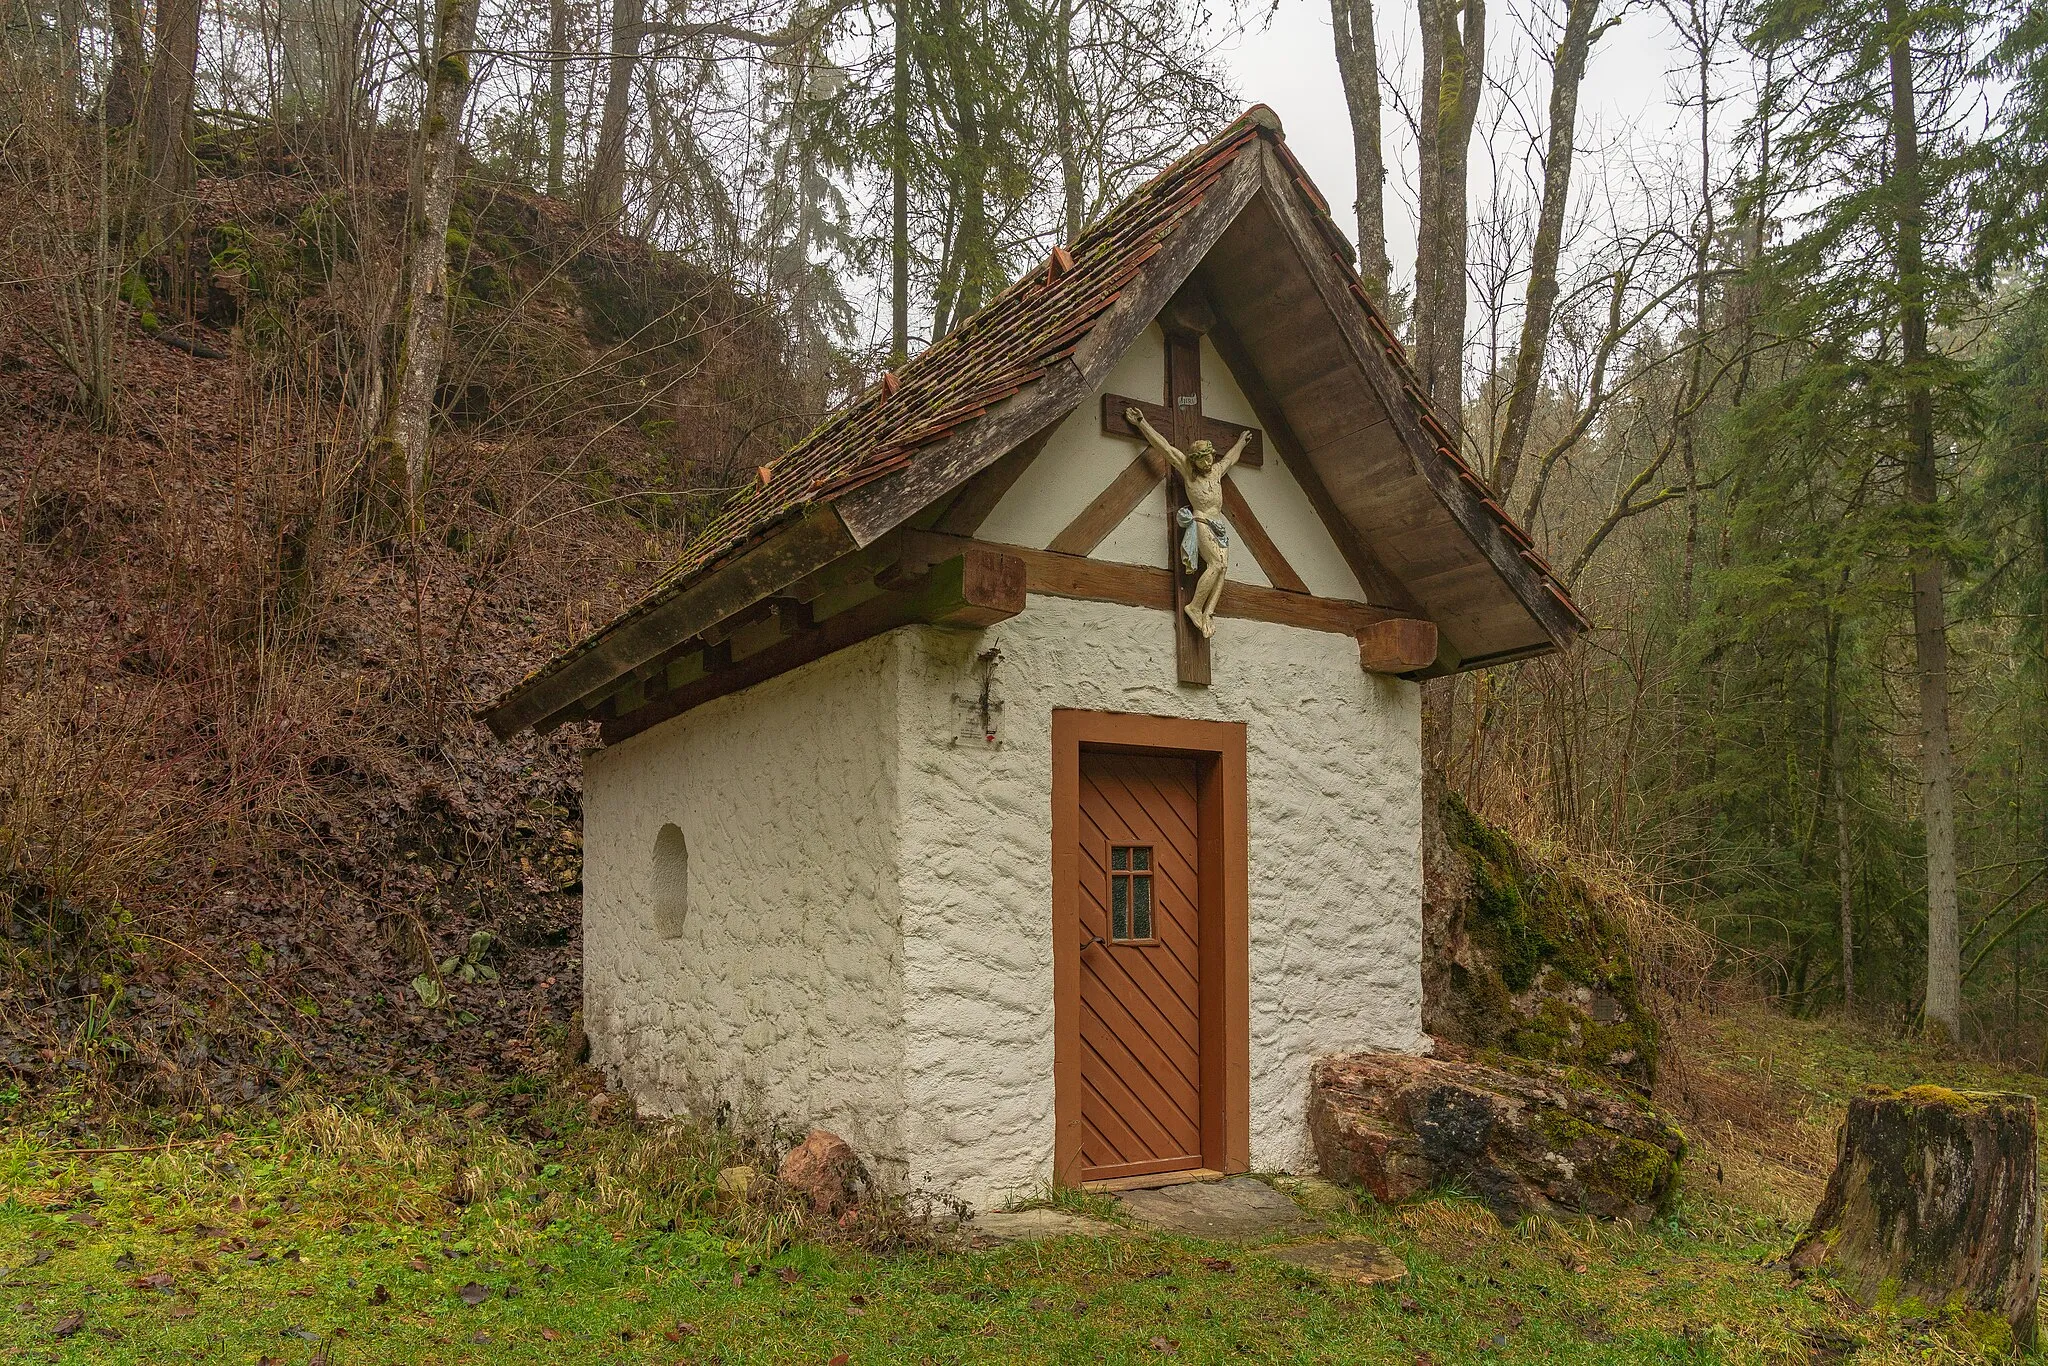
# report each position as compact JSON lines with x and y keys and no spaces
{"x":978,"y":587}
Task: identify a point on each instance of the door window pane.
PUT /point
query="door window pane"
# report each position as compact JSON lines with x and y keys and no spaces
{"x":1130,"y":892}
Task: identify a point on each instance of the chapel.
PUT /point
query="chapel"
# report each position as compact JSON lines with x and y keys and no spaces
{"x":1022,"y":777}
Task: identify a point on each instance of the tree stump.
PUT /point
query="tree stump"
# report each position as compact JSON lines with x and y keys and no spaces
{"x":1934,"y":1197}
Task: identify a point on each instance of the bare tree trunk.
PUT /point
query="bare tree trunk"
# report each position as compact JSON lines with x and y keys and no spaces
{"x":1358,"y":63}
{"x":604,"y":183}
{"x":899,"y":191}
{"x":408,"y":425}
{"x":1070,"y":152}
{"x":124,"y":82}
{"x":1930,"y":620}
{"x":1450,"y":105}
{"x":1428,"y":177}
{"x":1567,"y":74}
{"x":1836,"y":759}
{"x":70,"y":26}
{"x":167,"y":101}
{"x":961,"y":288}
{"x":558,"y":94}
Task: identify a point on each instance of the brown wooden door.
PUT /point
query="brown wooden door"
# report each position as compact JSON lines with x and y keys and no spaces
{"x":1140,"y":997}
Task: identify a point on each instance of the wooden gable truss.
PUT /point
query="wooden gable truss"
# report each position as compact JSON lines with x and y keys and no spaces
{"x":1247,"y":257}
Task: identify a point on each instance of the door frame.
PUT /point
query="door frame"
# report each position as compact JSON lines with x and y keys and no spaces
{"x":1223,"y":844}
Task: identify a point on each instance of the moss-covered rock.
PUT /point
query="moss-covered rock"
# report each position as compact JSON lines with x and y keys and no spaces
{"x":1526,"y":1138}
{"x":1525,"y":961}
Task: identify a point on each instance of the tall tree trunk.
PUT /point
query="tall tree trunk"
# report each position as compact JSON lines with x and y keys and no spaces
{"x":971,"y":254}
{"x":1428,"y":177}
{"x":1071,"y":192}
{"x":1358,"y":64}
{"x":70,"y":27}
{"x":1695,"y":377}
{"x":1451,"y":65}
{"x":558,"y":94}
{"x":1450,"y":106}
{"x":899,"y":190}
{"x":408,"y":424}
{"x":604,"y":184}
{"x":167,"y":102}
{"x":124,"y":82}
{"x":1567,"y":74}
{"x":1835,"y":743}
{"x":1930,"y":620}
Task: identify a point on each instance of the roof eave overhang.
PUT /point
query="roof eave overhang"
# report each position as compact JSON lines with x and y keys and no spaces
{"x":1324,"y":253}
{"x":856,"y":517}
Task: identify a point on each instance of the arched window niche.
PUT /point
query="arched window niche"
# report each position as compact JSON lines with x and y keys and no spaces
{"x":670,"y":883}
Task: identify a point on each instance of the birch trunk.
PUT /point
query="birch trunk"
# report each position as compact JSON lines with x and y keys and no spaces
{"x":1358,"y":64}
{"x":408,"y":425}
{"x":1930,"y":623}
{"x":1568,"y":73}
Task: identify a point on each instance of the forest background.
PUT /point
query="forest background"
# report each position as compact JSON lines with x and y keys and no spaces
{"x":358,"y":355}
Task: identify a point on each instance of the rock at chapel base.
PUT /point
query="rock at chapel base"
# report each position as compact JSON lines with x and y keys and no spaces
{"x":824,"y":1171}
{"x":1934,"y":1196}
{"x":736,"y":1183}
{"x":1526,"y":1141}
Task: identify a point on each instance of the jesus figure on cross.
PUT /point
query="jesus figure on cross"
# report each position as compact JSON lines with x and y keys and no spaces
{"x":1205,"y":536}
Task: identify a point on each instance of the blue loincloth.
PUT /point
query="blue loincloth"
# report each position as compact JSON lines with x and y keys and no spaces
{"x":1191,"y":540}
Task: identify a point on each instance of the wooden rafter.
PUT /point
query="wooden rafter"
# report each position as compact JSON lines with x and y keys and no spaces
{"x":976,"y":587}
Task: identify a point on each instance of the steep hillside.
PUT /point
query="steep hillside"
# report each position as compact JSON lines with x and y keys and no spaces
{"x":247,"y":830}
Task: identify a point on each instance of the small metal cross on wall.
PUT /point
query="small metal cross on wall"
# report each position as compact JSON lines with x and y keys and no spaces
{"x":1181,"y":419}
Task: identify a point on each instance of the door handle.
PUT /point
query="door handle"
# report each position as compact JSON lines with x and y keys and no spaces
{"x":1091,"y":941}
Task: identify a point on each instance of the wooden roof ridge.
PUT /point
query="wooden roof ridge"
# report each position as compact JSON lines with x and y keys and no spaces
{"x":835,"y":483}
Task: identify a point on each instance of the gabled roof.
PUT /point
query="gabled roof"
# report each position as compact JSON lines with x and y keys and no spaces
{"x":1005,"y":373}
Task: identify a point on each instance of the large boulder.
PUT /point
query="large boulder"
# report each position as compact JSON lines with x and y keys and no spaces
{"x":1527,"y":1140}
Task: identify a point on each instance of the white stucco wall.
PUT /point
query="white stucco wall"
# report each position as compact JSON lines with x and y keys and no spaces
{"x":868,"y":944}
{"x":1334,"y":798}
{"x":782,"y":994}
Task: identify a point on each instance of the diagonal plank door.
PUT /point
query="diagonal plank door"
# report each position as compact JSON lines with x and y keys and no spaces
{"x":1140,"y":997}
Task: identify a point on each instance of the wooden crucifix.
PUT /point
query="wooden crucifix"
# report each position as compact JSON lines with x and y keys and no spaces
{"x":1182,"y":421}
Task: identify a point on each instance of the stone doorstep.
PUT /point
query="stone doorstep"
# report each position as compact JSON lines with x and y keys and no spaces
{"x":1033,"y":1225}
{"x":1239,"y":1208}
{"x":1233,"y":1209}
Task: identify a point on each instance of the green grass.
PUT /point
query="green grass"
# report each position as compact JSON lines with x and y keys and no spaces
{"x":347,"y":1234}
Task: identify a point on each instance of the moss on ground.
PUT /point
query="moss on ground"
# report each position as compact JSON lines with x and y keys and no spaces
{"x":515,"y":1223}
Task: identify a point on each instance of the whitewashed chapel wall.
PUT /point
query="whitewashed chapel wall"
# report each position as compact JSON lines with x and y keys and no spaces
{"x":779,"y":992}
{"x":1336,"y":882}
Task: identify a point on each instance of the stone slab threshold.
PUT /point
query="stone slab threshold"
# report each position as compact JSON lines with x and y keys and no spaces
{"x":1224,"y":1209}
